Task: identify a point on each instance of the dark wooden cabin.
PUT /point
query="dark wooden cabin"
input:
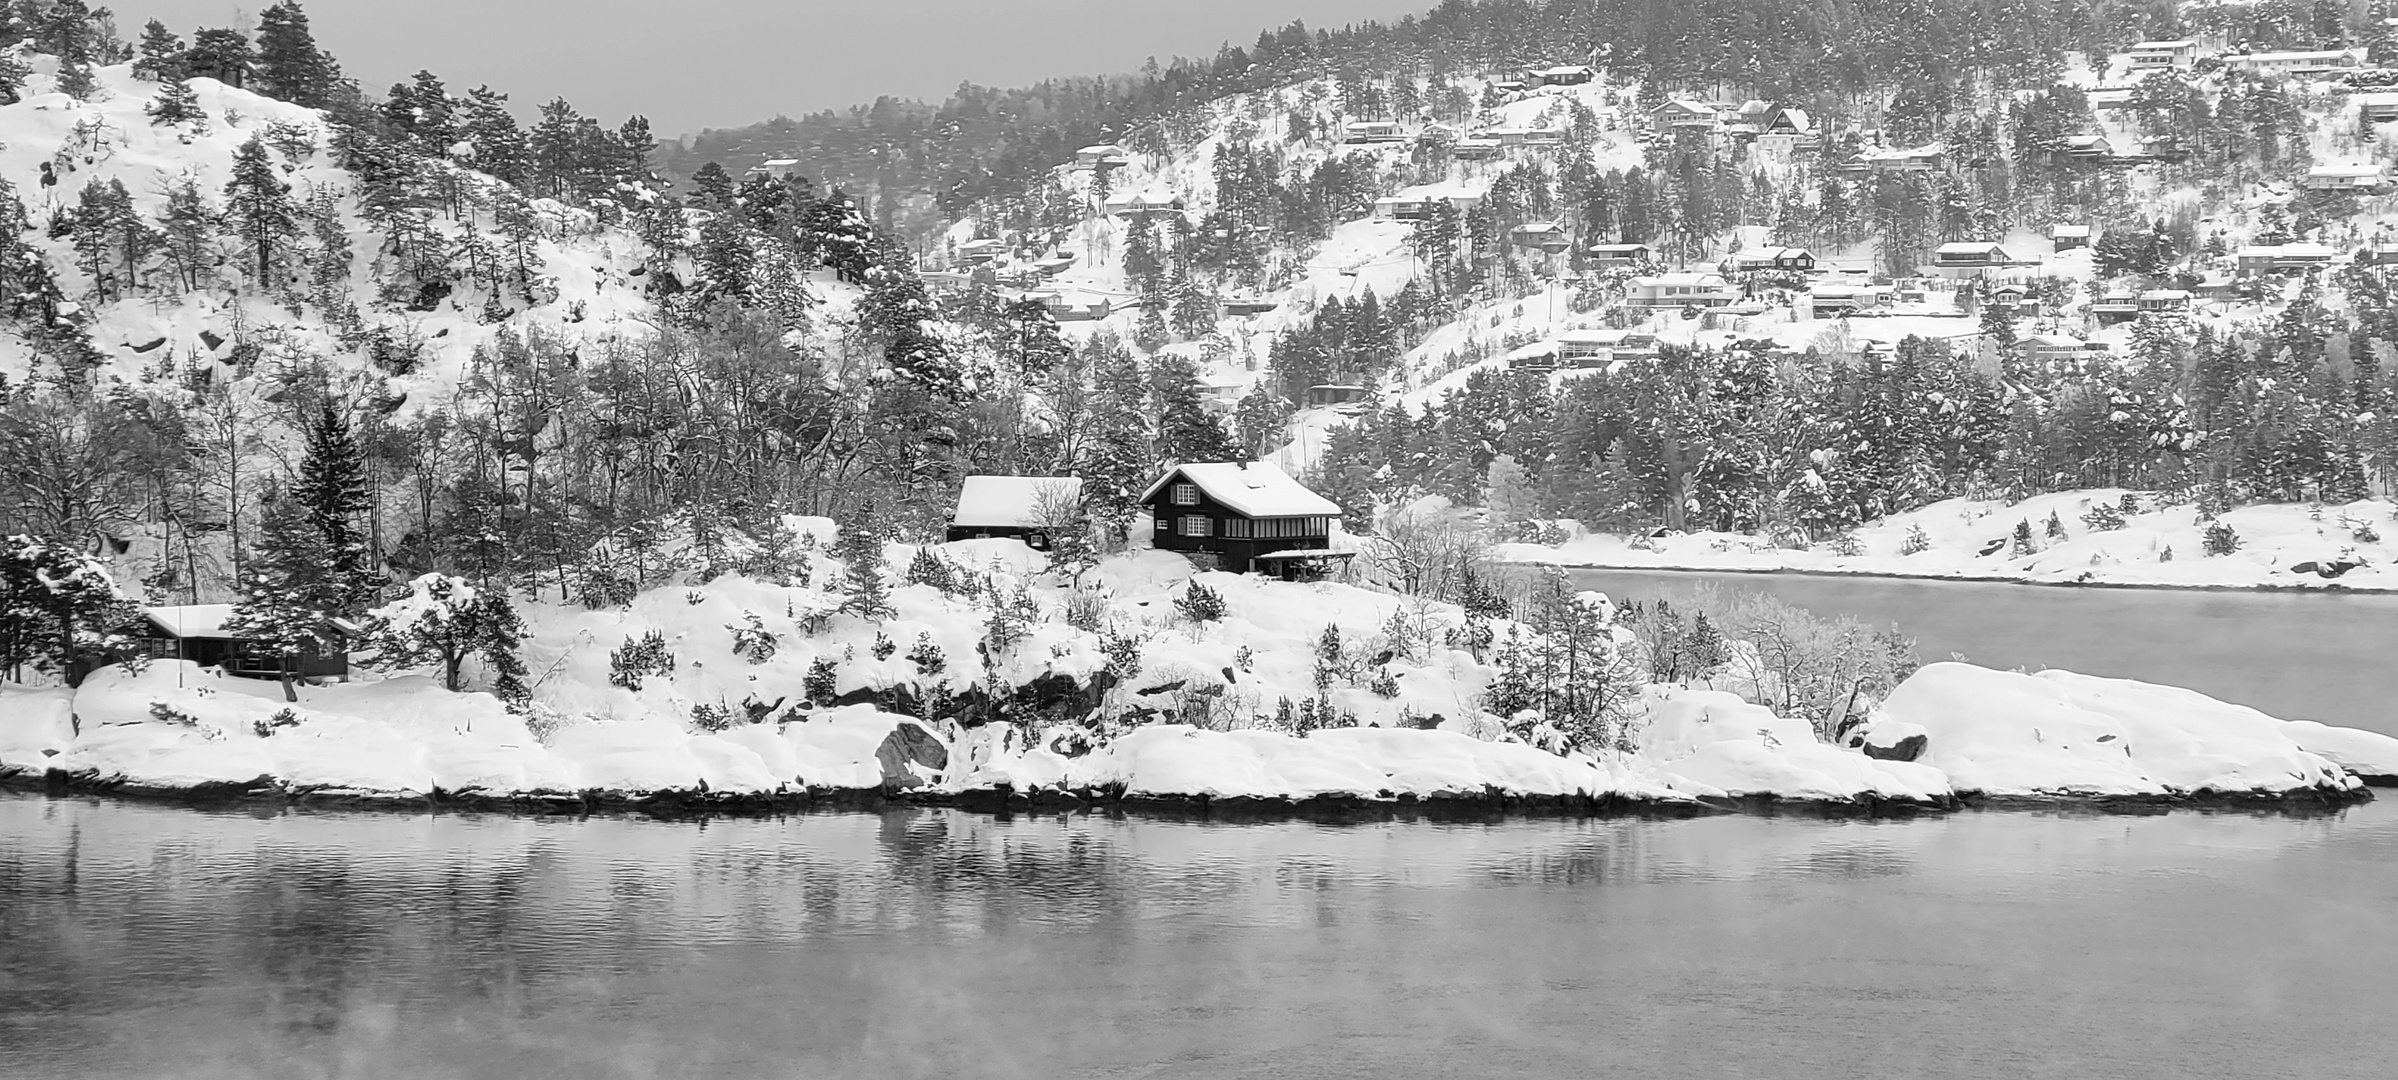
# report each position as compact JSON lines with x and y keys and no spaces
{"x":196,"y":632}
{"x":1244,"y":516}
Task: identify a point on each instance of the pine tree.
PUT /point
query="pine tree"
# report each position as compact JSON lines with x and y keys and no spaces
{"x":332,"y":491}
{"x":188,"y":225}
{"x":859,"y":546}
{"x":223,"y":55}
{"x":286,"y":588}
{"x":289,"y":65}
{"x":160,"y":54}
{"x":499,"y":144}
{"x":57,"y":605}
{"x":259,"y":208}
{"x":75,"y":79}
{"x":176,"y":104}
{"x":444,"y":620}
{"x":1186,"y":430}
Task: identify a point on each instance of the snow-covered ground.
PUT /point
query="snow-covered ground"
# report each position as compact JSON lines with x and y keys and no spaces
{"x":1949,"y":731}
{"x":2156,"y":546}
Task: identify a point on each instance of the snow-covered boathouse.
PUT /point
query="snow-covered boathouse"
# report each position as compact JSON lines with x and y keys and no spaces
{"x":1019,"y":507}
{"x":196,"y":632}
{"x":1245,"y":516}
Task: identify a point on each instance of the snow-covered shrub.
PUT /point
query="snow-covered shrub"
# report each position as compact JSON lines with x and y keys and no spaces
{"x":2219,"y":538}
{"x":1244,"y":658}
{"x":2365,"y":533}
{"x":1199,"y":603}
{"x":1846,"y":545}
{"x":1917,"y":541}
{"x":1384,"y":684}
{"x":168,"y":714}
{"x":1123,"y":652}
{"x":2055,"y":529}
{"x":751,"y":640}
{"x":2104,"y":517}
{"x":639,"y":658}
{"x":2023,"y":543}
{"x":714,"y":717}
{"x":283,"y":718}
{"x":883,"y":646}
{"x":2129,"y":504}
{"x":927,"y":656}
{"x":1086,"y":611}
{"x":819,"y":686}
{"x":929,"y":568}
{"x":2166,"y":555}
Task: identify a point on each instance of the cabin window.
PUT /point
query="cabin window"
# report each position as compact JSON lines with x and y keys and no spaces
{"x":1186,"y":494}
{"x":1194,"y":525}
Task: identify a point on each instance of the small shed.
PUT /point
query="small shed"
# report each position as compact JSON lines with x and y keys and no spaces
{"x":1012,"y":507}
{"x":196,"y":632}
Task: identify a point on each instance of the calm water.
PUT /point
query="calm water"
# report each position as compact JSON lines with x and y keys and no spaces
{"x":140,"y":941}
{"x":143,"y":941}
{"x":2331,"y":657}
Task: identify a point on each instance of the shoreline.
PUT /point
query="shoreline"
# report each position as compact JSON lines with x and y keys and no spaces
{"x":1490,"y":807}
{"x":2328,"y":587}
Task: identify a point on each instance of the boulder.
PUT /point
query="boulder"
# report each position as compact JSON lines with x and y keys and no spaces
{"x":907,"y":753}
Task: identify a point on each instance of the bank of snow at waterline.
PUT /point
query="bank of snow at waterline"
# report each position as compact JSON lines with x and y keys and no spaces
{"x":1972,"y":732}
{"x":2295,"y":546}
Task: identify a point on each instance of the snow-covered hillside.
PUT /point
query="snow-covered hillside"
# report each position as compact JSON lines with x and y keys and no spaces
{"x":52,"y":146}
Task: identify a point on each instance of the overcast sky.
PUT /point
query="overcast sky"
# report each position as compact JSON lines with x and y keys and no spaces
{"x":689,"y":64}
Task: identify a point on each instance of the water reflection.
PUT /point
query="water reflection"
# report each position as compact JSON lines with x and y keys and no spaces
{"x":147,"y":941}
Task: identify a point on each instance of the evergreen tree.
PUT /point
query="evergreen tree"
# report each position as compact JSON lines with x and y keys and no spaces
{"x":499,"y":145}
{"x":223,"y":55}
{"x":289,"y":64}
{"x":1186,"y":430}
{"x":287,"y":588}
{"x":159,"y":56}
{"x":859,"y":546}
{"x":57,"y":606}
{"x":259,"y":208}
{"x":176,"y":104}
{"x":444,"y":620}
{"x":331,"y":491}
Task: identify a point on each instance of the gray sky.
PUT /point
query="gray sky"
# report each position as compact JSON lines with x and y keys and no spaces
{"x":689,"y":64}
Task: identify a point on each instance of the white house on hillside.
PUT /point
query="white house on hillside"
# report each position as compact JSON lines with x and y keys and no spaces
{"x":1680,"y":290}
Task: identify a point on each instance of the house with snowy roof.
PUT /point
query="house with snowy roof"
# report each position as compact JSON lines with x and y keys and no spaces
{"x":1967,"y":258}
{"x":2346,"y":176}
{"x":1602,"y":256}
{"x":2066,"y":237}
{"x":1763,"y":260}
{"x":2282,"y":258}
{"x":1680,"y":290}
{"x":1141,"y":203}
{"x":2147,"y":56}
{"x":775,"y":167}
{"x":1477,"y":148}
{"x":198,"y":633}
{"x":1683,"y":113}
{"x":1103,"y":155}
{"x":1014,"y":507}
{"x":1244,"y":516}
{"x":1563,"y":75}
{"x":1547,"y":236}
{"x":2292,"y":63}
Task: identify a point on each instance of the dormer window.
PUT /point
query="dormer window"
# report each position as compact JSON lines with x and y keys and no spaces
{"x":1186,"y":494}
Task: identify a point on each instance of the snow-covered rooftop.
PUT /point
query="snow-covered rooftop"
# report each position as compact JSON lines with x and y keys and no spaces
{"x":1254,"y":488}
{"x":1010,"y":502}
{"x":192,"y":620}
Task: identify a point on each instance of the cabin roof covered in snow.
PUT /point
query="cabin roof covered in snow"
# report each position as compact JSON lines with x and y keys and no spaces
{"x":2067,"y":232}
{"x":1009,"y":502}
{"x":208,"y":620}
{"x":2347,"y":168}
{"x":1257,"y":489}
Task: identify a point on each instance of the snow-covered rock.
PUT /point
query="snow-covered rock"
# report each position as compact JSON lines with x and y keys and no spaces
{"x":2059,"y":733}
{"x":1709,"y":742}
